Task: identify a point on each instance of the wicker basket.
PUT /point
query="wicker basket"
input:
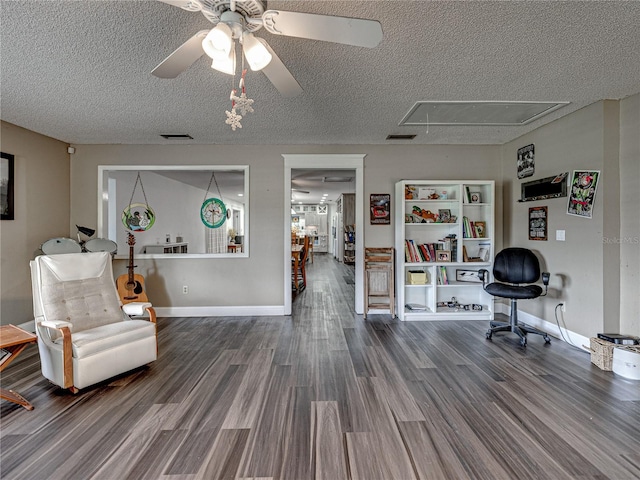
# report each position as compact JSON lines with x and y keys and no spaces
{"x":602,"y":353}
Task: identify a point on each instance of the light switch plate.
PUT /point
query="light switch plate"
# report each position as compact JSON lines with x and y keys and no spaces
{"x":560,"y":235}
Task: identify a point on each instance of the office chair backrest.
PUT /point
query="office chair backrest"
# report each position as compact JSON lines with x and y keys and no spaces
{"x":516,"y":265}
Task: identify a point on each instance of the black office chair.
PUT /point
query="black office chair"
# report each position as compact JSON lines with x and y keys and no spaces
{"x":514,"y":270}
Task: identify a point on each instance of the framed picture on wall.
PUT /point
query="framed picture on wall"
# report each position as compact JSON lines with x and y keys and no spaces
{"x":525,"y":161}
{"x":6,"y":186}
{"x":582,"y":192}
{"x":380,"y":208}
{"x":538,"y":223}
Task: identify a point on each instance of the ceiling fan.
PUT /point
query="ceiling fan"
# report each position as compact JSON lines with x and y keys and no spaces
{"x":238,"y":19}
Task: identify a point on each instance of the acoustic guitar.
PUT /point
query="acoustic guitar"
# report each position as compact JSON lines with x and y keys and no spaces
{"x":131,"y":285}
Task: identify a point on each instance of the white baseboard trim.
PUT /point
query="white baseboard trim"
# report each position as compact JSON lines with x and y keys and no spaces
{"x":551,"y":328}
{"x":213,"y":311}
{"x":379,"y":311}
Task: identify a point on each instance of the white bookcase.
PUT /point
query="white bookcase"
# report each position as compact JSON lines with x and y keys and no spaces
{"x":434,"y":287}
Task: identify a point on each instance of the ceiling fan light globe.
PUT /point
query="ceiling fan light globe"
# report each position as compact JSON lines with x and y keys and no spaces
{"x":226,"y":64}
{"x":218,"y":41}
{"x":255,"y":52}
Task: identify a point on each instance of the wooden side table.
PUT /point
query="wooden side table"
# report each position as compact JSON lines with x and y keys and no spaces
{"x":14,"y":340}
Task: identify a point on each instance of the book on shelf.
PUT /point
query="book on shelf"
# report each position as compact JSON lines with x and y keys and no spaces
{"x":425,"y":253}
{"x":416,"y":307}
{"x":432,"y":251}
{"x":450,"y":242}
{"x":414,"y":251}
{"x":442,"y":275}
{"x":471,"y":229}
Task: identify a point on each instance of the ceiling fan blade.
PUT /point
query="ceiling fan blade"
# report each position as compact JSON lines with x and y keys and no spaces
{"x":350,"y":31}
{"x":187,"y":5}
{"x":182,"y":57}
{"x":279,"y":75}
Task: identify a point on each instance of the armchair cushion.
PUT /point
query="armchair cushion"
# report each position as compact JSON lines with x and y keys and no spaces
{"x":105,"y":337}
{"x":85,"y":302}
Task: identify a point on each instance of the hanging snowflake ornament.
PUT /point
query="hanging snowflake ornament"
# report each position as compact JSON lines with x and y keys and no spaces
{"x":243,"y":103}
{"x":233,"y":119}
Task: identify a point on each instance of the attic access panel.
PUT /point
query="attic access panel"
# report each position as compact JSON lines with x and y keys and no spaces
{"x":478,"y":113}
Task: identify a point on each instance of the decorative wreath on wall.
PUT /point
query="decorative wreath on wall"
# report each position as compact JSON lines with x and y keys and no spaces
{"x":138,"y":217}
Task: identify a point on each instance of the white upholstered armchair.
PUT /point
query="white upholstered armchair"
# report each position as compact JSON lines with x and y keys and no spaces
{"x":84,"y":333}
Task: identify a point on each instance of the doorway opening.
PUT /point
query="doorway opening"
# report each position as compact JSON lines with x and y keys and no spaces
{"x":301,"y":168}
{"x":323,"y":220}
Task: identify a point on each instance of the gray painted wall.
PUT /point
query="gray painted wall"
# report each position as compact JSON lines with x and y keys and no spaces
{"x":41,"y":212}
{"x":586,"y":268}
{"x":258,"y":280}
{"x":597,"y":279}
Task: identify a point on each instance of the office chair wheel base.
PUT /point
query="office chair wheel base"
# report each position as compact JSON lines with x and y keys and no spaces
{"x":547,"y":339}
{"x":489,"y":334}
{"x":523,"y":341}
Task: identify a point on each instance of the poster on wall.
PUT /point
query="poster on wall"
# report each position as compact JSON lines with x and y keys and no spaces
{"x":6,"y":186}
{"x":538,"y":223}
{"x":380,"y":208}
{"x":525,"y":161}
{"x":582,"y":193}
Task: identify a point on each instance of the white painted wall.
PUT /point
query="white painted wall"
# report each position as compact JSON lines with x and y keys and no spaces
{"x":172,"y":218}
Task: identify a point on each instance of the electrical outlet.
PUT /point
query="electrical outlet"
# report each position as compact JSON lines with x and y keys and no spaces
{"x":185,"y":289}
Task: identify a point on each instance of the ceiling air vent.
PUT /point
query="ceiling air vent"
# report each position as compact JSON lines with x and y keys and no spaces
{"x":176,"y":136}
{"x":400,"y":137}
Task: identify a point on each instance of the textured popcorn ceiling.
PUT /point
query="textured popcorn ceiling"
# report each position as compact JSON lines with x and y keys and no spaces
{"x":79,"y":71}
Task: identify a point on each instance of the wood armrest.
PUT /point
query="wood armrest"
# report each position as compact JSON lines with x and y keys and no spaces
{"x":152,"y":314}
{"x":67,"y":349}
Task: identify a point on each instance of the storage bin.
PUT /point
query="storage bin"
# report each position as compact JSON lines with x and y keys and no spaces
{"x":416,"y":277}
{"x":602,"y":353}
{"x":626,"y":362}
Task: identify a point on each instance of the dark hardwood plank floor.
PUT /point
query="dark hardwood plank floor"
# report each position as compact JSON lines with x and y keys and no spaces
{"x":325,"y":395}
